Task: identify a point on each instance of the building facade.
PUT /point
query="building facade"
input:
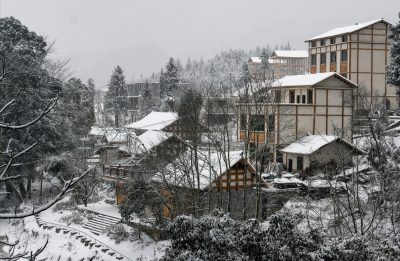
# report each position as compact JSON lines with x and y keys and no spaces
{"x":303,"y":104}
{"x":136,"y":94}
{"x":280,"y":64}
{"x":289,"y":63}
{"x":361,"y":53}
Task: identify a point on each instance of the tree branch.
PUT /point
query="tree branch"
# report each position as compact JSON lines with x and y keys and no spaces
{"x":48,"y":108}
{"x":66,"y":189}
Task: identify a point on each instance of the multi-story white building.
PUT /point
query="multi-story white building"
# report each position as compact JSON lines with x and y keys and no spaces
{"x":360,"y":53}
{"x":320,"y":103}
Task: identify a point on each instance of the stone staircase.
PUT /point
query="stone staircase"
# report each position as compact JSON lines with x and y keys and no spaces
{"x":82,"y":237}
{"x":100,"y":222}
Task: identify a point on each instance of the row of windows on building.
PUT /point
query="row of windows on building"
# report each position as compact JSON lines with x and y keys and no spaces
{"x":322,"y":57}
{"x":293,"y":98}
{"x":301,"y":99}
{"x":332,"y":40}
{"x":257,"y":123}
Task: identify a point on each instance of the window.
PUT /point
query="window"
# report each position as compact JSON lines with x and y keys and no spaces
{"x":313,"y":59}
{"x":333,"y":57}
{"x":291,"y":96}
{"x":303,"y":99}
{"x":257,"y":123}
{"x":343,"y":55}
{"x":313,"y":44}
{"x":243,"y":122}
{"x":221,"y":103}
{"x":323,"y":58}
{"x":309,"y":96}
{"x":299,"y":163}
{"x":344,"y":38}
{"x":271,"y":123}
{"x":332,"y":40}
{"x":133,"y":89}
{"x":298,"y":98}
{"x":278,"y":96}
{"x":133,"y":103}
{"x":322,"y":42}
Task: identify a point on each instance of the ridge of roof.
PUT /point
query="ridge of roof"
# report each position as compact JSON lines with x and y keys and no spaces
{"x":346,"y":29}
{"x":308,"y":79}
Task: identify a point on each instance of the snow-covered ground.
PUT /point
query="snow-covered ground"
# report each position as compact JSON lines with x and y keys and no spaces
{"x":66,"y":247}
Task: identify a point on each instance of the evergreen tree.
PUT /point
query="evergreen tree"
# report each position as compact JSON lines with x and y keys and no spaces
{"x":115,"y":98}
{"x":188,"y":66}
{"x":171,"y":77}
{"x":246,"y":74}
{"x":168,"y":84}
{"x":179,"y":68}
{"x":148,"y":103}
{"x":91,"y":95}
{"x":264,"y":63}
{"x":189,"y":110}
{"x":393,"y":70}
{"x":77,"y":106}
{"x":23,"y":76}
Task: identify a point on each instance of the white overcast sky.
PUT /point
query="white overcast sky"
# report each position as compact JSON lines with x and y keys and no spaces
{"x":140,"y":35}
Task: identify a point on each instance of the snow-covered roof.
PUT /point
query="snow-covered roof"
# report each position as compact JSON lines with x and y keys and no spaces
{"x":311,"y":143}
{"x":112,"y":135}
{"x":309,"y":80}
{"x":151,"y":139}
{"x":251,"y":88}
{"x":116,"y":136}
{"x":146,"y":142}
{"x":181,"y":171}
{"x":256,"y":59}
{"x":289,"y":54}
{"x":154,"y":121}
{"x":345,"y":29}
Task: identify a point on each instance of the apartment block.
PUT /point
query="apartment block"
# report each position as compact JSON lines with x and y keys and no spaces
{"x":361,"y":53}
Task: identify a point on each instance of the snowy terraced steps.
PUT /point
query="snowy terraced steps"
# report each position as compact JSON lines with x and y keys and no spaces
{"x":100,"y":222}
{"x":87,"y":240}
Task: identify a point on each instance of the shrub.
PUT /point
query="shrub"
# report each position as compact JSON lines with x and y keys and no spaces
{"x":118,"y":233}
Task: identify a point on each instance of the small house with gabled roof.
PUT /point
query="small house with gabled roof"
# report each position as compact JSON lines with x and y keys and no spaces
{"x":318,"y":150}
